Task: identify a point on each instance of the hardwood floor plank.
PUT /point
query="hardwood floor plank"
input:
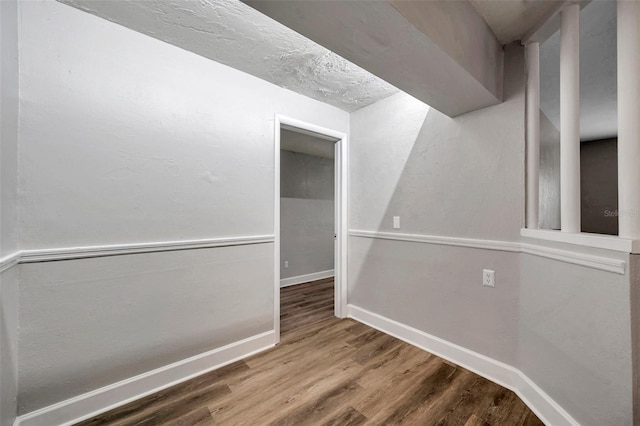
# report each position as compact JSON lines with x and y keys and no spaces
{"x":200,"y":417}
{"x":507,"y":409}
{"x":305,"y":304}
{"x":531,"y":419}
{"x":305,"y":382}
{"x":401,"y":361}
{"x":349,"y":417}
{"x":383,"y":399}
{"x":175,"y":410}
{"x":323,"y":407}
{"x":433,"y":408}
{"x":358,"y":328}
{"x":365,"y":338}
{"x":430,"y":387}
{"x":476,"y":399}
{"x":306,"y":372}
{"x":473,"y":421}
{"x":274,"y":400}
{"x":160,"y":398}
{"x":333,"y":372}
{"x":300,"y":342}
{"x":375,"y":348}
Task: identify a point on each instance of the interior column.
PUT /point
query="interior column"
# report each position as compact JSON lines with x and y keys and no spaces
{"x":629,"y":119}
{"x":533,"y":133}
{"x":570,"y":119}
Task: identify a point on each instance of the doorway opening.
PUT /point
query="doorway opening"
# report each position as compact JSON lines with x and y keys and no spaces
{"x":310,"y":224}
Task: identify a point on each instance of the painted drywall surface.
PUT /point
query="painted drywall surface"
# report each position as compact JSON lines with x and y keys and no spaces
{"x":459,"y":177}
{"x":235,"y":34}
{"x":511,"y":20}
{"x":306,"y":176}
{"x":8,"y":345}
{"x":458,"y":29}
{"x":88,"y":323}
{"x":8,"y":127}
{"x":634,"y":267}
{"x":574,"y":338}
{"x":8,"y":209}
{"x":128,"y":139}
{"x":599,"y":186}
{"x":306,"y":144}
{"x":306,"y":236}
{"x":306,"y":214}
{"x":377,"y":37}
{"x":438,"y":289}
{"x":549,"y":180}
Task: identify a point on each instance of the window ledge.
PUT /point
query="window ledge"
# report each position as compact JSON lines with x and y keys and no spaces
{"x":607,"y":242}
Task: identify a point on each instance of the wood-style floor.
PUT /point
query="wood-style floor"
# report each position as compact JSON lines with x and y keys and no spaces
{"x":305,"y":304}
{"x":328,"y":371}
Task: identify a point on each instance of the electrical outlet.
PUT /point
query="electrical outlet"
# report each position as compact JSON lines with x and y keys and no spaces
{"x":286,"y":263}
{"x":488,"y":277}
{"x":396,"y":222}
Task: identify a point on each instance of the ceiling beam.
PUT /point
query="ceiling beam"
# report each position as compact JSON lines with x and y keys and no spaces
{"x":442,"y":53}
{"x":550,"y":23}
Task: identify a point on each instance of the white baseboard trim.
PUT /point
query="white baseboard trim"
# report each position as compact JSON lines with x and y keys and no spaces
{"x":505,"y":375}
{"x":575,"y":257}
{"x":90,"y":404}
{"x":286,"y":282}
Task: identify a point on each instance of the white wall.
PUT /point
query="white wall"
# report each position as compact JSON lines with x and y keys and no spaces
{"x":459,"y":177}
{"x":126,"y":139}
{"x":306,"y":236}
{"x":635,"y":331}
{"x":8,"y":127}
{"x":437,"y":289}
{"x":8,"y":209}
{"x":194,"y":141}
{"x":575,"y":338}
{"x":306,"y":214}
{"x":87,"y":323}
{"x":8,"y":345}
{"x":456,"y":177}
{"x":564,"y":326}
{"x":458,"y":29}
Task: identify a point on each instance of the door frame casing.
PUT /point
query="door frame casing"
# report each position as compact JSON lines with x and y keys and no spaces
{"x":341,"y":201}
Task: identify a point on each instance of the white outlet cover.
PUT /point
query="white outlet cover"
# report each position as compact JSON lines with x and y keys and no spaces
{"x":488,"y":278}
{"x":396,"y":222}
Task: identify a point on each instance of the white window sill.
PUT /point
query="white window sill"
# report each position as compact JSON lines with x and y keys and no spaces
{"x":607,"y":242}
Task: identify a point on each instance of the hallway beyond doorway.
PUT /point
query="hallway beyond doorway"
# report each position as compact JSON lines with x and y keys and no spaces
{"x":305,"y":304}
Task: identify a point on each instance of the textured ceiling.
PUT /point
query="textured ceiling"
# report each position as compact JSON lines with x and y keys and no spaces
{"x":232,"y":33}
{"x":510,"y":20}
